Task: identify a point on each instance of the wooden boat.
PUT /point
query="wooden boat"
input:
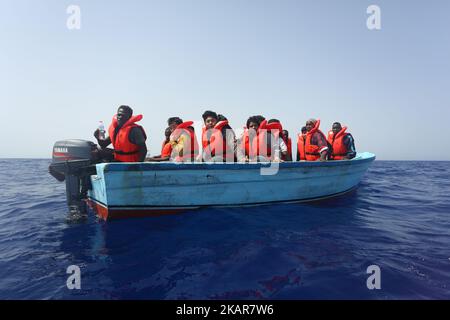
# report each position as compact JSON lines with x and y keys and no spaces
{"x":120,"y":190}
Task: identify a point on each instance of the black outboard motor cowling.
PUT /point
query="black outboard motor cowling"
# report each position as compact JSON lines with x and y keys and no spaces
{"x":67,"y":150}
{"x":73,"y":162}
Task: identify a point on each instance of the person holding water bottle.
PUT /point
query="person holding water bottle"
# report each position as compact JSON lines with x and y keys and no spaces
{"x":127,"y":137}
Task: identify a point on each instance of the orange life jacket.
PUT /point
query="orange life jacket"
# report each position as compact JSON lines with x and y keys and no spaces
{"x":278,"y":126}
{"x":192,"y":153}
{"x":245,"y":143}
{"x":337,"y":142}
{"x":301,"y":146}
{"x":166,"y":149}
{"x":275,"y":129}
{"x":216,"y":141}
{"x":312,"y":151}
{"x":124,"y":150}
{"x":274,"y":126}
{"x":289,"y":147}
{"x":261,"y":145}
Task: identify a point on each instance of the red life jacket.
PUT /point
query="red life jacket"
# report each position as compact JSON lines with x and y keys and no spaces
{"x":275,"y":129}
{"x":124,"y":150}
{"x":192,"y":153}
{"x":216,"y":141}
{"x":205,"y":141}
{"x":312,"y":151}
{"x":274,"y":126}
{"x":278,"y":126}
{"x":260,"y":144}
{"x":289,"y":147}
{"x":166,"y":149}
{"x":245,"y":143}
{"x":337,"y":142}
{"x":301,"y":146}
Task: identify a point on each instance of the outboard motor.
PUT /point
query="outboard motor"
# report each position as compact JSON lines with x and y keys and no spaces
{"x":73,"y":161}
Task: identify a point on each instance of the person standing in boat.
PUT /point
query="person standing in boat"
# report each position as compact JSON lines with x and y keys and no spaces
{"x":277,"y":142}
{"x":288,"y":141}
{"x":247,"y":144}
{"x":183,"y":140}
{"x":166,"y":149}
{"x":231,"y":135}
{"x":316,"y":144}
{"x":301,"y":145}
{"x":342,"y":143}
{"x":258,"y":143}
{"x":221,"y":117}
{"x":127,"y":137}
{"x":244,"y":149}
{"x":218,"y":139}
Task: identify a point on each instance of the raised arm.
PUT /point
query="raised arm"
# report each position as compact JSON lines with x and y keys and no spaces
{"x":102,"y":143}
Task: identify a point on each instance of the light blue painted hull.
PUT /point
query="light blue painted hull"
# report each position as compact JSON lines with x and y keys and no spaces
{"x":159,"y":186}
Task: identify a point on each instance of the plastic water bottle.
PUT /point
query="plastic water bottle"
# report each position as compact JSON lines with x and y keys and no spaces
{"x":101,"y":131}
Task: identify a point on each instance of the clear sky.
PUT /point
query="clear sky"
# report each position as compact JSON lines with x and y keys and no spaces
{"x":290,"y":60}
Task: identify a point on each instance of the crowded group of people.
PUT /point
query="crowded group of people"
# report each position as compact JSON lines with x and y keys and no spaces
{"x":262,"y":140}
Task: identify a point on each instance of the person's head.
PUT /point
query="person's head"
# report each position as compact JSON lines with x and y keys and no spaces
{"x":260,"y":118}
{"x":221,"y":117}
{"x":124,"y":113}
{"x":168,"y":132}
{"x":304,"y":131}
{"x":310,"y":124}
{"x":210,"y":119}
{"x":273,"y":121}
{"x":285,"y":133}
{"x":253,"y":122}
{"x":336,"y":127}
{"x":173,"y":123}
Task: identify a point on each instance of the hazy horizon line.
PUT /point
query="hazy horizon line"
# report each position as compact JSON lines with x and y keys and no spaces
{"x":416,"y":160}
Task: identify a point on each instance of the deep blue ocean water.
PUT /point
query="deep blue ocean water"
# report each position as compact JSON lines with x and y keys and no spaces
{"x":398,"y":219}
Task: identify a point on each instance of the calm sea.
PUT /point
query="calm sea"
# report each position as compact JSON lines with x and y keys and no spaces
{"x":398,"y":219}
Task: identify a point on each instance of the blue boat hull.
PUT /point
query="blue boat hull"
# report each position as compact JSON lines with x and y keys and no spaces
{"x":141,"y":189}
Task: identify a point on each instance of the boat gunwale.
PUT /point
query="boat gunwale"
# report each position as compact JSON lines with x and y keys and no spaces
{"x":152,"y":166}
